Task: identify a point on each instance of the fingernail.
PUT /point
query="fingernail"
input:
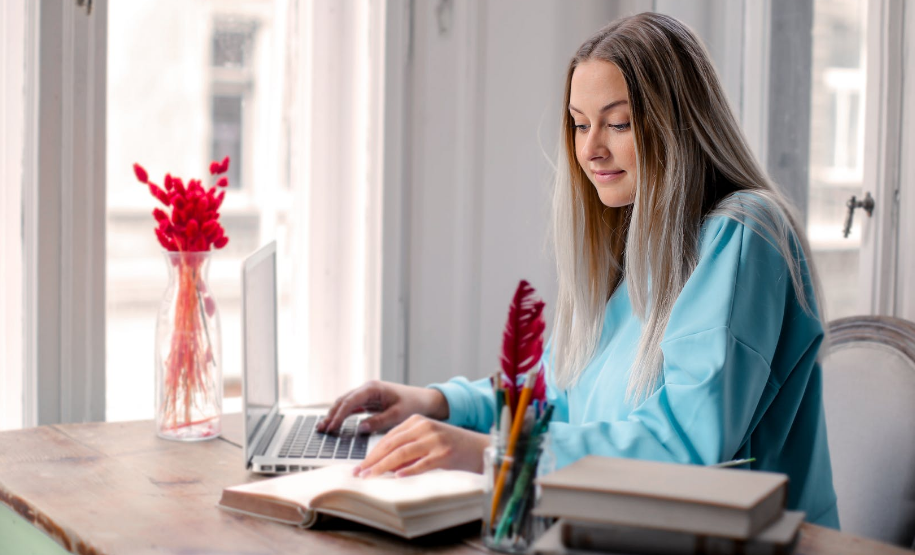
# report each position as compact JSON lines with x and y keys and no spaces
{"x":357,"y":470}
{"x":364,"y":428}
{"x":364,"y":473}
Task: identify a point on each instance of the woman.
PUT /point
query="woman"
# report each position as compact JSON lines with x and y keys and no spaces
{"x":687,"y":325}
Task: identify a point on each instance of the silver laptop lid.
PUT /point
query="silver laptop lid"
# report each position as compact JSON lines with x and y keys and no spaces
{"x":260,"y":374}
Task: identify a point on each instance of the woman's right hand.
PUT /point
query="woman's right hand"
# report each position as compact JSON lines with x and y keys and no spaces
{"x":392,"y":402}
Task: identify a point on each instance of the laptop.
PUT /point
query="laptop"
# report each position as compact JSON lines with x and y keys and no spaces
{"x":281,"y":440}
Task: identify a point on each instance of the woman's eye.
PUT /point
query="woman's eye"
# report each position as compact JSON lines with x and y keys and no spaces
{"x":621,"y":126}
{"x":581,"y":128}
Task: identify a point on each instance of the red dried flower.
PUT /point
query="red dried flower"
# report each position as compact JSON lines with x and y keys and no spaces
{"x":141,"y":174}
{"x":155,"y":191}
{"x":193,"y":224}
{"x":209,"y":228}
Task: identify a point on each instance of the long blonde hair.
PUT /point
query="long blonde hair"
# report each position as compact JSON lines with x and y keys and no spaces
{"x":691,"y":156}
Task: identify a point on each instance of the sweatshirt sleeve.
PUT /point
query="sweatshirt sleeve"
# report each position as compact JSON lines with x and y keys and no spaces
{"x":717,"y":353}
{"x":471,"y":404}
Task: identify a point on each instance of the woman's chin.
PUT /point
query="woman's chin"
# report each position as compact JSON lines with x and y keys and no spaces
{"x":615,"y":197}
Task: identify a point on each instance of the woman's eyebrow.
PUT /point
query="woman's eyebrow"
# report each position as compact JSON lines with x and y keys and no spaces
{"x":610,"y":106}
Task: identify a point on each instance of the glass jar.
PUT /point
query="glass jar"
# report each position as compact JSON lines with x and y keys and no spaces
{"x":508,"y":525}
{"x":188,"y":375}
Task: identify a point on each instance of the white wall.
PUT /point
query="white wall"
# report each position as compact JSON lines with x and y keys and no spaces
{"x":486,"y":82}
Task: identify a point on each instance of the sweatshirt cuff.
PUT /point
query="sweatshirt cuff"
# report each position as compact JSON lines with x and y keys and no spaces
{"x":469,"y":406}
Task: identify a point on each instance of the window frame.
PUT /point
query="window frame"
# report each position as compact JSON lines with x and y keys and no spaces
{"x":905,"y":302}
{"x":882,"y":267}
{"x":63,"y":201}
{"x":13,"y":98}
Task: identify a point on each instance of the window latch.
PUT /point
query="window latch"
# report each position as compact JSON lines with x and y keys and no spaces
{"x":867,"y":203}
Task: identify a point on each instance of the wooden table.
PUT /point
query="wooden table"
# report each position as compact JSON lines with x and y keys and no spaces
{"x":115,"y":488}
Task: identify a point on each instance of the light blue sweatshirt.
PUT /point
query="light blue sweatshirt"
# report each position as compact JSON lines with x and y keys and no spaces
{"x":740,"y":377}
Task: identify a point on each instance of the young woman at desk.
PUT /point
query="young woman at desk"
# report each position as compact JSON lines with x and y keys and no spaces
{"x":687,"y":324}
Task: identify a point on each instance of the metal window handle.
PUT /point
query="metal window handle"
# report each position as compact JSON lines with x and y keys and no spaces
{"x":867,"y":203}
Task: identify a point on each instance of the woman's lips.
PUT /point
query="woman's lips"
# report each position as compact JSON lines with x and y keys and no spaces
{"x":608,"y":176}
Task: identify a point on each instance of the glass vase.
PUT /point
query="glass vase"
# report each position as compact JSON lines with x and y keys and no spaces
{"x":509,"y":525}
{"x":188,"y":352}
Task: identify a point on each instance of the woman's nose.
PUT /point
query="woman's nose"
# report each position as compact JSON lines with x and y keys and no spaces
{"x":595,"y":147}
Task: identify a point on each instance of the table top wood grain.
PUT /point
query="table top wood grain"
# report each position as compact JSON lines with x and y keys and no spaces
{"x":116,"y":488}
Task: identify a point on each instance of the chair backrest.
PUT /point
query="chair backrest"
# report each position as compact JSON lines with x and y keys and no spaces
{"x":869,"y":399}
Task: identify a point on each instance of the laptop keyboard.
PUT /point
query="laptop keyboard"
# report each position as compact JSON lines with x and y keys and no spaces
{"x":304,"y":441}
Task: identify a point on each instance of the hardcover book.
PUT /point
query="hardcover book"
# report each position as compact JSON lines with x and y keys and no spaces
{"x":568,"y":537}
{"x":702,"y":500}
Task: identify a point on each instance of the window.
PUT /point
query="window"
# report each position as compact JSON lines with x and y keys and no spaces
{"x":239,"y":79}
{"x":838,"y":77}
{"x":232,"y":85}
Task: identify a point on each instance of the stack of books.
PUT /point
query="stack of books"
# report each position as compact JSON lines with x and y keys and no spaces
{"x":637,"y":507}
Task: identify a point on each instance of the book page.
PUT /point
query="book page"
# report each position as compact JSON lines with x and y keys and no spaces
{"x":396,"y":495}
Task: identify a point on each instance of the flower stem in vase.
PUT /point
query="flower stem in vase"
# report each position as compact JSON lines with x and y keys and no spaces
{"x":190,"y":406}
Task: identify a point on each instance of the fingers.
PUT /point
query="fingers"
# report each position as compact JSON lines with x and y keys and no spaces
{"x":350,"y":403}
{"x":382,"y":421}
{"x":396,"y":448}
{"x":418,"y":466}
{"x":391,"y":441}
{"x":403,"y":456}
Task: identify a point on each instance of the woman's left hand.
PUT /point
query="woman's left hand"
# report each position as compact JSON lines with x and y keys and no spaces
{"x":420,"y":444}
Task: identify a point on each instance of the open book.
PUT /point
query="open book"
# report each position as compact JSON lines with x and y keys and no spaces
{"x":408,"y":507}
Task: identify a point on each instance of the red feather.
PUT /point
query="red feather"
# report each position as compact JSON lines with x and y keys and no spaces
{"x":539,"y":391}
{"x":522,"y":342}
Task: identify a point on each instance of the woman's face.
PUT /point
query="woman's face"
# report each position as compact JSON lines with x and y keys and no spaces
{"x":599,"y":106}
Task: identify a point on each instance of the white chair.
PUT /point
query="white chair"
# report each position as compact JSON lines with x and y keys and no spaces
{"x":869,"y":399}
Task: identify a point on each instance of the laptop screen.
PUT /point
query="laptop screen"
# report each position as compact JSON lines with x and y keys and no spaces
{"x":261,"y":380}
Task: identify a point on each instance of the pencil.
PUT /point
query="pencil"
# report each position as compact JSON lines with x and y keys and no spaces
{"x":514,"y":509}
{"x":500,"y":402}
{"x":517,"y":424}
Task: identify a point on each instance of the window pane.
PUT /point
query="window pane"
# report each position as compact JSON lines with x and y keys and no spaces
{"x":187,"y":79}
{"x":228,"y":134}
{"x":836,"y":147}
